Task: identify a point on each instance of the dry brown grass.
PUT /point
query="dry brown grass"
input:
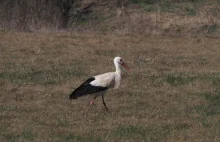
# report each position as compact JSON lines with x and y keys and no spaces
{"x":172,"y":93}
{"x":165,"y":17}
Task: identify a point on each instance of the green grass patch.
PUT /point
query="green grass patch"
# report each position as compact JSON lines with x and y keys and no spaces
{"x":145,"y":1}
{"x":213,"y":107}
{"x":213,"y":104}
{"x":24,"y":136}
{"x":27,"y":135}
{"x":147,"y":7}
{"x":12,"y":137}
{"x":172,"y":79}
{"x":210,"y":28}
{"x":78,"y":138}
{"x":39,"y":77}
{"x":151,"y":133}
{"x":196,"y":1}
{"x":190,"y":11}
{"x":73,"y":138}
{"x":156,"y":80}
{"x":178,"y":80}
{"x":43,"y":76}
{"x":213,"y":78}
{"x":3,"y":127}
{"x":131,"y":131}
{"x":107,"y":52}
{"x":167,"y":6}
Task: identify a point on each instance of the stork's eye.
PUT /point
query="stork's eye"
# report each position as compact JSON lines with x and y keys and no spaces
{"x":120,"y":60}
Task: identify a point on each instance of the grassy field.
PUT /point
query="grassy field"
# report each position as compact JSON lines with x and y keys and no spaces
{"x":172,"y":93}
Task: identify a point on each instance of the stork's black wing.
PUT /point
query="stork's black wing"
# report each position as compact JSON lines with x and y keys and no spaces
{"x":86,"y":88}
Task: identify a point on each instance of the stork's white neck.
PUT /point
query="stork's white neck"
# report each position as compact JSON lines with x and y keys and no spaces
{"x":117,"y":67}
{"x":117,"y":74}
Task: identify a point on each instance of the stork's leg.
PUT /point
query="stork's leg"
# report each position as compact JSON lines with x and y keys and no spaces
{"x":91,"y":103}
{"x":103,"y":101}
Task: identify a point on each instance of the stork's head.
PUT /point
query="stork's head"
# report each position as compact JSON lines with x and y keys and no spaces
{"x":120,"y":61}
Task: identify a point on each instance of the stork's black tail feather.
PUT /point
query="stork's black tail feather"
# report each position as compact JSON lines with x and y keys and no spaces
{"x":86,"y":88}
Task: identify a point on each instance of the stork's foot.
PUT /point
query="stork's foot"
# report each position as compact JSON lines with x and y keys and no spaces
{"x":106,"y":110}
{"x":103,"y":101}
{"x":105,"y":106}
{"x":91,"y":103}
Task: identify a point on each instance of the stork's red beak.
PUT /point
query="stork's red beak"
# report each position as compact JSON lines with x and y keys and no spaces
{"x":124,"y":65}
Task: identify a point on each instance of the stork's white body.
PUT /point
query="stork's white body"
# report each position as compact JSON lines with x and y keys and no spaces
{"x":110,"y":79}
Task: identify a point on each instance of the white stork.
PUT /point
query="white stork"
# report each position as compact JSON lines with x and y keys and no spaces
{"x":99,"y":84}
